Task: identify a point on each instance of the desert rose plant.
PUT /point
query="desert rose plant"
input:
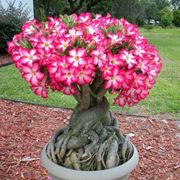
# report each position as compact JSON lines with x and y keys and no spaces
{"x":87,"y":57}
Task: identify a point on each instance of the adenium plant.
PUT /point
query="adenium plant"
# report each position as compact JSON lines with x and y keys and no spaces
{"x":86,"y":57}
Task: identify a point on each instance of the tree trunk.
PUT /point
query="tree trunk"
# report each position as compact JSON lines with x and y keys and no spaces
{"x":91,"y":140}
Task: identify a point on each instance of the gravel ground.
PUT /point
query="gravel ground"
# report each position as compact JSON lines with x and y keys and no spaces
{"x":25,"y":129}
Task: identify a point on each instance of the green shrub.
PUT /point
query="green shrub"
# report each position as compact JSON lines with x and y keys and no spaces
{"x":148,"y":27}
{"x":166,"y":17}
{"x":176,"y":16}
{"x":11,"y":21}
{"x":7,"y":31}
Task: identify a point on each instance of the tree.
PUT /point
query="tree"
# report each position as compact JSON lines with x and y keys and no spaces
{"x":128,"y":9}
{"x":175,"y":4}
{"x":45,"y":8}
{"x":176,"y":18}
{"x":87,"y":57}
{"x":161,"y":4}
{"x":166,"y":17}
{"x":148,"y":10}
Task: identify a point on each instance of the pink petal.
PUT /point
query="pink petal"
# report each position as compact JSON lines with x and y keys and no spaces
{"x":52,"y":69}
{"x":73,"y":52}
{"x":81,"y":80}
{"x":82,"y":61}
{"x":58,"y":77}
{"x":116,"y":71}
{"x":25,"y":52}
{"x":69,"y":81}
{"x":16,"y":57}
{"x":39,"y":75}
{"x":108,"y":84}
{"x":87,"y":79}
{"x":24,"y":60}
{"x":81,"y":52}
{"x":70,"y":59}
{"x":35,"y":67}
{"x":27,"y":77}
{"x":115,"y":84}
{"x":40,"y":46}
{"x":43,"y":39}
{"x":33,"y":52}
{"x":26,"y":69}
{"x":34,"y":81}
{"x":119,"y":78}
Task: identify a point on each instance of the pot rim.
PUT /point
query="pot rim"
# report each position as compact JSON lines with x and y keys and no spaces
{"x":111,"y":173}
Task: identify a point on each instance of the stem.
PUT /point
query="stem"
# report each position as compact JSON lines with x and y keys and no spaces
{"x":101,"y":94}
{"x":84,"y":102}
{"x":77,"y":96}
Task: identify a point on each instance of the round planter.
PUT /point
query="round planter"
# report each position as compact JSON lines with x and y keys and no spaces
{"x":121,"y":172}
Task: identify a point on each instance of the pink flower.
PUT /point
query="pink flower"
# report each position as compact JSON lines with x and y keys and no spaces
{"x":150,"y":83}
{"x":106,"y":71}
{"x":45,"y":43}
{"x":115,"y":80}
{"x":77,"y":57}
{"x":139,"y":80}
{"x":128,"y":79}
{"x":68,"y":76}
{"x":114,"y":59}
{"x":84,"y":17}
{"x":84,"y":76}
{"x":128,"y":58}
{"x":73,"y":33}
{"x":91,"y":29}
{"x":29,"y":27}
{"x":57,"y":63}
{"x":120,"y":100}
{"x":63,"y":43}
{"x":18,"y":54}
{"x":116,"y":38}
{"x":69,"y":90}
{"x":32,"y":74}
{"x":11,"y":47}
{"x":139,"y":51}
{"x":142,"y":93}
{"x":40,"y":90}
{"x":143,"y":65}
{"x":29,"y":56}
{"x":52,"y":54}
{"x":99,"y":56}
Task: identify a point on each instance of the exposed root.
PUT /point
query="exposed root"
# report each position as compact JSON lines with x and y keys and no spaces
{"x":91,"y":142}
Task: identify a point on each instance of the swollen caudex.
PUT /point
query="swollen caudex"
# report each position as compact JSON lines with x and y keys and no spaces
{"x":91,"y":144}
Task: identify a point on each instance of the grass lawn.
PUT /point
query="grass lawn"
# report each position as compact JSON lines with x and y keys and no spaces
{"x":164,"y":98}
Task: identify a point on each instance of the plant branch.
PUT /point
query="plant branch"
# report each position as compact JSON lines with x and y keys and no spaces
{"x":101,"y":94}
{"x":77,"y":96}
{"x":97,"y":81}
{"x":85,"y":98}
{"x":91,"y":92}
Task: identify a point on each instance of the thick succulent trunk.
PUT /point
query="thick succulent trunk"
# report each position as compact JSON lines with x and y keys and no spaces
{"x":91,"y":140}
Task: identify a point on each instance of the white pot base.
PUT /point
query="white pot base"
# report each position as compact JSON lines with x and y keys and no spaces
{"x":121,"y":172}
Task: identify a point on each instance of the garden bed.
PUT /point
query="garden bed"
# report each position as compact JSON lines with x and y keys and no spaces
{"x":5,"y":60}
{"x":26,"y":128}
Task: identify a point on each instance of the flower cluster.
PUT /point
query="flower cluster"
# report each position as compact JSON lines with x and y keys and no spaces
{"x":72,"y":51}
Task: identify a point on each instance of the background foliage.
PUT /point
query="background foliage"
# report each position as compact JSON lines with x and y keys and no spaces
{"x":136,"y":11}
{"x":11,"y":21}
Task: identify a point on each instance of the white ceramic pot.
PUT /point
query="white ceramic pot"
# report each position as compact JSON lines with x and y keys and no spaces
{"x":121,"y":172}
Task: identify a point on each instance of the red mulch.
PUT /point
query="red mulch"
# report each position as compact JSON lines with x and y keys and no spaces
{"x":25,"y":129}
{"x":4,"y":59}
